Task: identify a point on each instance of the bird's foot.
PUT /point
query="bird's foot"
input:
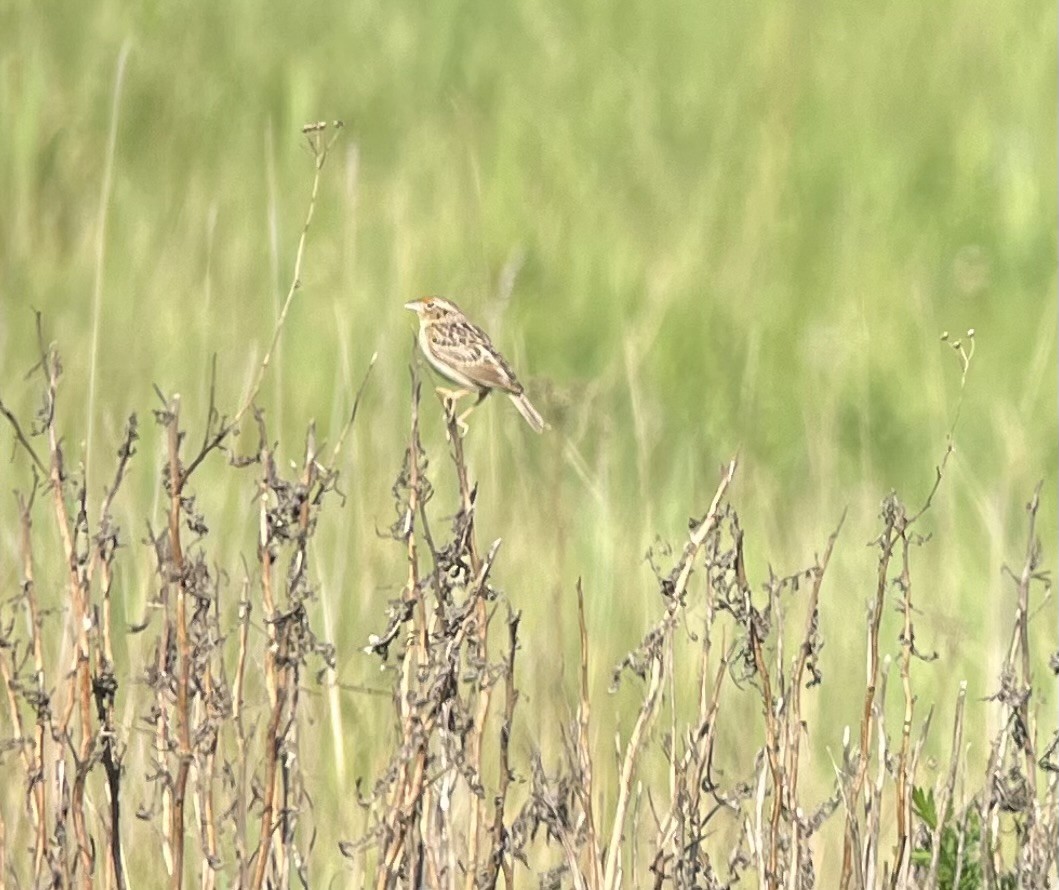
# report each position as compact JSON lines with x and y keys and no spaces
{"x":449,"y":399}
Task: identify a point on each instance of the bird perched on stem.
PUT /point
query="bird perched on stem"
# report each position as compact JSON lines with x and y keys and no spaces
{"x":462,"y":353}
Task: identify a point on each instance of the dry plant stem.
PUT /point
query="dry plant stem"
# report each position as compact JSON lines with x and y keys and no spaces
{"x":584,"y":753}
{"x":20,"y":436}
{"x":218,"y":429}
{"x":162,"y":717}
{"x":273,"y":739}
{"x":74,"y":535}
{"x":794,"y":722}
{"x":415,"y":505}
{"x":692,"y":770}
{"x":656,"y":681}
{"x":16,"y":716}
{"x":500,"y":857}
{"x":320,"y":148}
{"x":772,"y":706}
{"x":105,"y":685}
{"x":886,"y":542}
{"x":285,"y":520}
{"x":792,"y":718}
{"x":268,"y":599}
{"x":896,"y":526}
{"x":291,"y":778}
{"x":417,"y":655}
{"x":419,"y":647}
{"x":179,"y":581}
{"x":701,"y":532}
{"x":959,"y":852}
{"x":407,"y":790}
{"x":28,"y":757}
{"x":111,"y":758}
{"x":869,"y":852}
{"x":1024,"y":579}
{"x":1016,"y":713}
{"x":773,"y":735}
{"x":480,"y":642}
{"x":35,"y":756}
{"x":772,"y":876}
{"x":353,"y":412}
{"x":484,"y":694}
{"x":240,"y":735}
{"x":80,"y":689}
{"x":948,"y":790}
{"x":756,"y":834}
{"x":905,"y":776}
{"x":205,"y":767}
{"x":441,"y":699}
{"x":571,"y":856}
{"x":272,"y":683}
{"x":913,"y":764}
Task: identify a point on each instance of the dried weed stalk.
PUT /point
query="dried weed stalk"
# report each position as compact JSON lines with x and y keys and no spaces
{"x":63,"y":713}
{"x":445,"y":682}
{"x":70,"y":738}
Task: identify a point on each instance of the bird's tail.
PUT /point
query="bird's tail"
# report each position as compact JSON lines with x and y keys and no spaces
{"x":526,"y":409}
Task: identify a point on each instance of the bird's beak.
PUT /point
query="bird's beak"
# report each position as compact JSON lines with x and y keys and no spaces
{"x":415,"y":306}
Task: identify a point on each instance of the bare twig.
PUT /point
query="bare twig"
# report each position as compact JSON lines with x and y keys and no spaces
{"x":584,"y":755}
{"x":655,"y":650}
{"x":948,"y":789}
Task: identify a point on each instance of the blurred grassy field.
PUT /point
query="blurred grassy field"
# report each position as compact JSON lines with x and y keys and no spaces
{"x":729,"y":227}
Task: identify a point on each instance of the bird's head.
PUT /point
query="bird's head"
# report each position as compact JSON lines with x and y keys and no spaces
{"x":433,"y":308}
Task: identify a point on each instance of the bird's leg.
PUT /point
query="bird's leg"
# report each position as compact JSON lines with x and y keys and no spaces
{"x":449,"y":398}
{"x":461,"y":420}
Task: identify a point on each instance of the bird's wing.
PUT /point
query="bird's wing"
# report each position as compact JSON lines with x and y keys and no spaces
{"x":468,"y":348}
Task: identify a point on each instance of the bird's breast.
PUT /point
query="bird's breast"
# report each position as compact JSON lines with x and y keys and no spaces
{"x":447,"y":371}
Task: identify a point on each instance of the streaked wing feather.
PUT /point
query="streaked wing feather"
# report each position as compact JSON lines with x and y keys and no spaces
{"x":468,"y":347}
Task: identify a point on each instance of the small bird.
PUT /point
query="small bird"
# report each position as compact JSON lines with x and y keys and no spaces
{"x":463,"y":353}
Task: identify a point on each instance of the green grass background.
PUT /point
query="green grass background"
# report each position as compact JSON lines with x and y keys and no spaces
{"x":732,"y":228}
